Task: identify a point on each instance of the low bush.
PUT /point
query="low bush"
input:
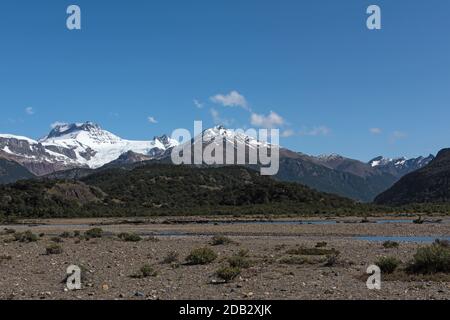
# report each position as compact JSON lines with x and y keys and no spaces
{"x":390,"y":244}
{"x":145,"y":271}
{"x":227,"y":273}
{"x":312,"y":251}
{"x":388,"y":264}
{"x":240,"y":262}
{"x":26,"y":236}
{"x":430,"y":260}
{"x":54,"y":249}
{"x":201,"y":256}
{"x":172,"y":257}
{"x":220,"y":240}
{"x":94,"y":233}
{"x":129,"y":237}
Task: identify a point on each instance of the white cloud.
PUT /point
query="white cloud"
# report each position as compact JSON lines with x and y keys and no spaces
{"x":29,"y":111}
{"x":316,"y":131}
{"x":270,"y":121}
{"x":217,"y":119}
{"x":57,"y":124}
{"x":152,"y":120}
{"x":233,"y":99}
{"x":198,"y":104}
{"x":375,"y":130}
{"x":399,"y":135}
{"x":287,"y":133}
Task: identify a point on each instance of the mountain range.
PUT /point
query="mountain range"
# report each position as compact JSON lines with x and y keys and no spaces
{"x":430,"y":184}
{"x":79,"y":149}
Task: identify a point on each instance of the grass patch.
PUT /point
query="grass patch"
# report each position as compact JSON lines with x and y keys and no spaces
{"x":321,"y":244}
{"x":430,"y":260}
{"x":26,"y":236}
{"x":239,"y":261}
{"x":57,"y":239}
{"x":129,"y":237}
{"x":312,"y":252}
{"x":5,"y":257}
{"x":388,"y":264}
{"x":220,"y":240}
{"x":145,"y":271}
{"x":172,"y":257}
{"x":65,"y":235}
{"x":94,"y":233}
{"x":54,"y":249}
{"x":295,"y":260}
{"x":228,"y":273}
{"x":390,"y":244}
{"x":201,"y":256}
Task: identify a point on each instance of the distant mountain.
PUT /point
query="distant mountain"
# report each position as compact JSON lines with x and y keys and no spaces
{"x":11,"y":171}
{"x":80,"y":149}
{"x":430,"y":184}
{"x":75,"y":145}
{"x":155,"y":189}
{"x":400,"y":166}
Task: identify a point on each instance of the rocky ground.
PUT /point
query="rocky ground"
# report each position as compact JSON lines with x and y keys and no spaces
{"x":27,"y":272}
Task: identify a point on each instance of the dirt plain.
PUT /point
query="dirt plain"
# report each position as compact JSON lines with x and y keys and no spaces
{"x":108,"y":263}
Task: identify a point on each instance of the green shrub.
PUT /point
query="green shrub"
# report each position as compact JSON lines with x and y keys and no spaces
{"x":294,"y":260}
{"x":312,"y":251}
{"x":321,"y":244}
{"x":54,"y":249}
{"x":76,"y":233}
{"x":442,"y":243}
{"x":57,"y":239}
{"x":26,"y":236}
{"x":431,"y":259}
{"x":129,"y":237}
{"x":390,"y":244}
{"x":145,"y":271}
{"x":220,"y":240}
{"x":240,"y":262}
{"x":388,"y":264}
{"x":201,"y":256}
{"x":9,"y":231}
{"x":228,"y":273}
{"x":172,"y":257}
{"x":94,"y":233}
{"x":4,"y":257}
{"x":332,"y":260}
{"x":65,"y":234}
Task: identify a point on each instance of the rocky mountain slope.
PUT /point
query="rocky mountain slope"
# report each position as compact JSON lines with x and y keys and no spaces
{"x":431,"y":184}
{"x":11,"y":171}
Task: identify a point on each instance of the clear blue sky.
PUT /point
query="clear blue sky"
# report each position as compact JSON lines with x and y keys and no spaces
{"x":313,"y":63}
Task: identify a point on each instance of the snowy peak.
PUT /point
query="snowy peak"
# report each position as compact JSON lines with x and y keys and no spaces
{"x":77,"y":145}
{"x":65,"y":129}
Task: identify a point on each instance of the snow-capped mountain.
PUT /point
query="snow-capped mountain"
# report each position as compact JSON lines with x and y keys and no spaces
{"x":220,"y":134}
{"x":400,"y":166}
{"x":76,"y":145}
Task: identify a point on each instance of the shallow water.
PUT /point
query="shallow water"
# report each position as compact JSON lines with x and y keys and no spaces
{"x":414,"y":239}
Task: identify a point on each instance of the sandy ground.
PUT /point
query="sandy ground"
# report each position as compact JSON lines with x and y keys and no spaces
{"x":109,"y":262}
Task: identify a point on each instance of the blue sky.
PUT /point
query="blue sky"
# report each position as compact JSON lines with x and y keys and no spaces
{"x":311,"y":68}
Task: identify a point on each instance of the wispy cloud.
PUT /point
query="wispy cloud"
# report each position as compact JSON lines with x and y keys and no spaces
{"x":287,"y":133}
{"x":397,"y":135}
{"x":217,"y":119}
{"x":375,"y":131}
{"x":316,"y":131}
{"x":57,"y":124}
{"x":29,"y":111}
{"x":272,"y":120}
{"x":232,"y":99}
{"x":152,"y":120}
{"x":198,"y":104}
